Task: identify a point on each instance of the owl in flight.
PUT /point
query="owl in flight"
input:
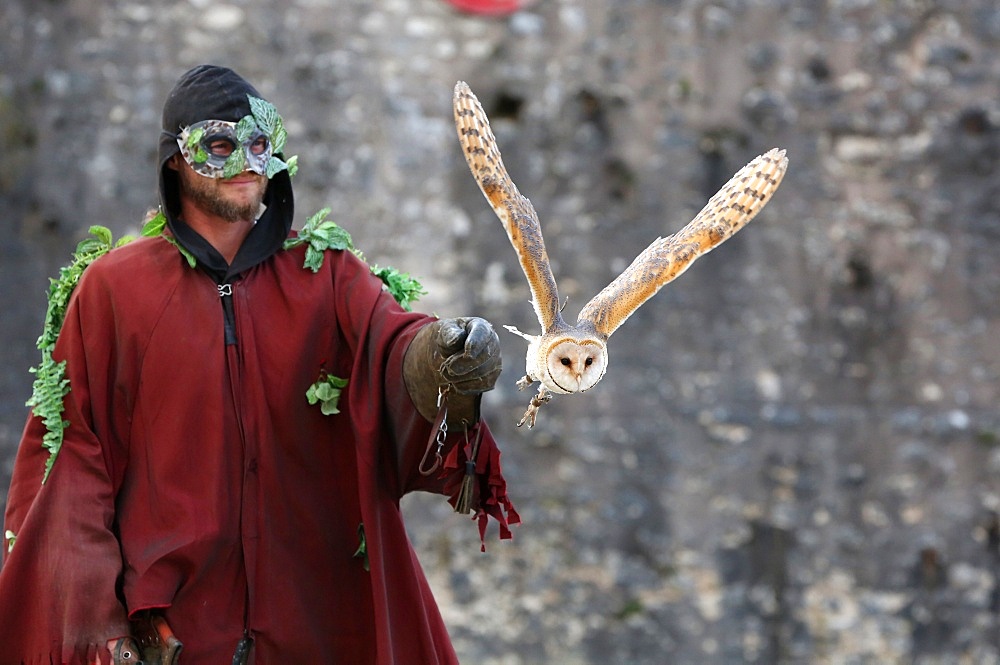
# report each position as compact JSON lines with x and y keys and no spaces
{"x":572,"y":358}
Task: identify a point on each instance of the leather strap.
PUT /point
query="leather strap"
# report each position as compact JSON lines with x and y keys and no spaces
{"x":439,"y":432}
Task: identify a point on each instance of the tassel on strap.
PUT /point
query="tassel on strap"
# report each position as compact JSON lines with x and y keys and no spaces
{"x":464,"y":501}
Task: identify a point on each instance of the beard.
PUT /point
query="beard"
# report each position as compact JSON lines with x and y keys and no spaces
{"x":210,"y":195}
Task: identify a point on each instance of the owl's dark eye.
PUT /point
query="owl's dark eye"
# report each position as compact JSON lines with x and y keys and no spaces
{"x":566,"y":362}
{"x":589,"y":362}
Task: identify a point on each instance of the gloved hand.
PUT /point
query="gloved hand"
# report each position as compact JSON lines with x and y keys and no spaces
{"x":471,"y":351}
{"x":154,"y":643}
{"x":463,"y":353}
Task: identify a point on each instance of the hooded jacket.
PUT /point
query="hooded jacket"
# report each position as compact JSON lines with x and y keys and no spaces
{"x":194,"y":477}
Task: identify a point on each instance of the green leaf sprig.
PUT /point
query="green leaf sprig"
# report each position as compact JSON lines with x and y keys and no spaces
{"x":320,"y":234}
{"x":235,"y":164}
{"x":194,"y":145}
{"x":156,"y":226}
{"x":265,"y":117}
{"x":326,"y":393}
{"x":404,"y":288}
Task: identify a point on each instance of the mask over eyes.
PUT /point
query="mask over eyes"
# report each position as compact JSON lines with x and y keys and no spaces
{"x":222,"y":149}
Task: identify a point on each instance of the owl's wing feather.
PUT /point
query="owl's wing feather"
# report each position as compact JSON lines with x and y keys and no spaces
{"x":665,"y":259}
{"x":514,"y":210}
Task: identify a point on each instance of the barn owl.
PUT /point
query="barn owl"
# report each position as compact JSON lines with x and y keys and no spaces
{"x":568,"y":358}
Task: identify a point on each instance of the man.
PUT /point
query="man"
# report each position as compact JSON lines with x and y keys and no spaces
{"x":197,"y":492}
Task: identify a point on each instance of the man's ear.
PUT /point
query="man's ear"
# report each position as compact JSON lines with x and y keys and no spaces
{"x":172,"y":163}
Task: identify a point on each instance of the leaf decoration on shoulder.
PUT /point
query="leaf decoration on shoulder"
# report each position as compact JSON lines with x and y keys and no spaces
{"x":404,"y":288}
{"x":320,"y":234}
{"x":156,"y":225}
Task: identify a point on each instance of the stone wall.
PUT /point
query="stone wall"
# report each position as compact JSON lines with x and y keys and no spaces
{"x":795,"y":454}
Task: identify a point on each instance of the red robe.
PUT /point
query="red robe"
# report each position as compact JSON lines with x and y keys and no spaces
{"x":195,"y":477}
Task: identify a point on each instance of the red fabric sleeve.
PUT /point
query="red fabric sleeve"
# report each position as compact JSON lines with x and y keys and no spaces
{"x":58,"y":583}
{"x":388,"y":326}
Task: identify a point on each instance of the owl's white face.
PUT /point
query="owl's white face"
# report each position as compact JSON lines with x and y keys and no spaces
{"x":572,"y":366}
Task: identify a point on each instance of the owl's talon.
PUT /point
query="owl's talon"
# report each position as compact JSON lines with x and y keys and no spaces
{"x":523,"y":382}
{"x":529,"y":414}
{"x":543,"y":397}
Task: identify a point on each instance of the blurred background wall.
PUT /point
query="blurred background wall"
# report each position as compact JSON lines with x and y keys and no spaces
{"x":795,"y":454}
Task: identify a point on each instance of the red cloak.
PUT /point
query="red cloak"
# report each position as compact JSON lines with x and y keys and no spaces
{"x":195,"y":477}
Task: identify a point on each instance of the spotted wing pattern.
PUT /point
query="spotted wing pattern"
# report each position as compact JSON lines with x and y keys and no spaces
{"x":666,"y":258}
{"x":514,"y":210}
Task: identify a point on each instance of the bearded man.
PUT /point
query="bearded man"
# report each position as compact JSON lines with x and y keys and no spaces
{"x":200,"y":510}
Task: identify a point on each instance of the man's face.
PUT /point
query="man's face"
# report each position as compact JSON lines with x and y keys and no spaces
{"x":235,"y":199}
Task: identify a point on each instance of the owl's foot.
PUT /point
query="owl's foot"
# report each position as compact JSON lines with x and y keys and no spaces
{"x":543,"y":397}
{"x":523,"y":382}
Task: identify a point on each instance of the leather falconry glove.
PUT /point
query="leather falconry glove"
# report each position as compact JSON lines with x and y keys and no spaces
{"x":462,"y":353}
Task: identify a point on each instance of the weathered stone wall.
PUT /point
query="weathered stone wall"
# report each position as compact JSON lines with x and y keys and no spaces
{"x":795,"y":454}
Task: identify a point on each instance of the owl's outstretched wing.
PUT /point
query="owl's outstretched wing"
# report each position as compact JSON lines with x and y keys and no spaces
{"x":665,"y":259}
{"x":515,"y":211}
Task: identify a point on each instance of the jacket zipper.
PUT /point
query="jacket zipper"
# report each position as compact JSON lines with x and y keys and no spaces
{"x":242,"y":652}
{"x":228,"y":317}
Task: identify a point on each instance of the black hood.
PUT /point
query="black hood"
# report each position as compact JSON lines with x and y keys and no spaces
{"x":210,"y":92}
